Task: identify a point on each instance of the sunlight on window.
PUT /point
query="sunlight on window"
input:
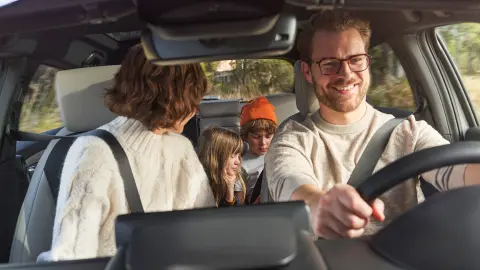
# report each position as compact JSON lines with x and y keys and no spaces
{"x":6,"y":2}
{"x":463,"y":45}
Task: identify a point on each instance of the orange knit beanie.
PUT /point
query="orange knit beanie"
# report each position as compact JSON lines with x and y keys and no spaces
{"x":258,"y":108}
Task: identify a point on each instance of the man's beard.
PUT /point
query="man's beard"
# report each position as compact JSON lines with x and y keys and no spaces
{"x":338,"y":102}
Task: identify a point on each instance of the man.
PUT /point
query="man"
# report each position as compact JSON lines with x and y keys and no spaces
{"x":313,"y":160}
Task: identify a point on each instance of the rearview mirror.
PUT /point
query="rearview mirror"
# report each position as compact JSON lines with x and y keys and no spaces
{"x":277,"y":37}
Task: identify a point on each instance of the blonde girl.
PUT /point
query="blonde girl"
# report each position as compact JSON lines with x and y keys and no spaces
{"x":220,"y":151}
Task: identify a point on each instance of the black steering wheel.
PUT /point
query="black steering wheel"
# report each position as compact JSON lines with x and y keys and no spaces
{"x":441,"y":233}
{"x":417,"y":163}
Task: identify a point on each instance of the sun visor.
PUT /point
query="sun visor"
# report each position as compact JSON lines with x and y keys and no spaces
{"x":278,"y":41}
{"x":215,"y":30}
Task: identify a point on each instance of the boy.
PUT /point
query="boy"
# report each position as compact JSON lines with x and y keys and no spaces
{"x":258,"y":124}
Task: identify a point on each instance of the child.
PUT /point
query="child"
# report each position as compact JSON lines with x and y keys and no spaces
{"x":258,"y":124}
{"x":219,"y":151}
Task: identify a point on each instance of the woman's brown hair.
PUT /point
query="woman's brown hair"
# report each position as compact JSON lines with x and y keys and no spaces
{"x":157,"y":96}
{"x":215,"y":146}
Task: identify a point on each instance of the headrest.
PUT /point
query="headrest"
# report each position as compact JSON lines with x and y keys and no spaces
{"x":219,"y":108}
{"x":307,"y":102}
{"x":284,"y":105}
{"x":80,"y":95}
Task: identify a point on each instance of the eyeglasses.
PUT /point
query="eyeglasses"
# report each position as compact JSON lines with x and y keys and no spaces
{"x":356,"y":63}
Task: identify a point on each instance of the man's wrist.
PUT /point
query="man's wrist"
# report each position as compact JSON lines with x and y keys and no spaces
{"x":313,"y":198}
{"x":308,"y":193}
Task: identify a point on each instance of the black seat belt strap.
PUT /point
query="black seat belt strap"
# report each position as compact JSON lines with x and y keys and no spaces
{"x":131,"y":191}
{"x":257,"y":188}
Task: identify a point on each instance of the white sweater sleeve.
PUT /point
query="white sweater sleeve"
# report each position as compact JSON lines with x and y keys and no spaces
{"x":288,"y":165}
{"x":83,"y":200}
{"x":193,"y":189}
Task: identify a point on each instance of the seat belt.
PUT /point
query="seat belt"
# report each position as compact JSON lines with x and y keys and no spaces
{"x":131,"y":191}
{"x":257,"y":188}
{"x":372,"y":153}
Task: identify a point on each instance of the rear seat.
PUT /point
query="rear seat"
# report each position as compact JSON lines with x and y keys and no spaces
{"x":220,"y":113}
{"x":226,"y":113}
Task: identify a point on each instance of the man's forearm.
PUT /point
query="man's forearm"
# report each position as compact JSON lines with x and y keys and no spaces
{"x":308,"y":193}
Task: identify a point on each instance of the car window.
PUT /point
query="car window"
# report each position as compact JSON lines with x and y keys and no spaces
{"x":463,"y":43}
{"x":389,"y":85}
{"x":248,"y":78}
{"x":39,"y":110}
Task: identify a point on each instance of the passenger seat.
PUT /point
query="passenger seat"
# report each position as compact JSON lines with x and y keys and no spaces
{"x":80,"y":95}
{"x":80,"y":98}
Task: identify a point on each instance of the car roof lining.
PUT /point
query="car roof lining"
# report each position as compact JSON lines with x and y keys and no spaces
{"x":385,"y":24}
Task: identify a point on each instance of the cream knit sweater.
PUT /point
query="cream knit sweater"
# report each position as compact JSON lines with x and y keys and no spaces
{"x":167,"y":172}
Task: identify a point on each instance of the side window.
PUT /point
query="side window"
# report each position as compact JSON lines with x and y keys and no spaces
{"x":389,"y":86}
{"x":40,"y":112}
{"x":248,"y":78}
{"x":463,"y":44}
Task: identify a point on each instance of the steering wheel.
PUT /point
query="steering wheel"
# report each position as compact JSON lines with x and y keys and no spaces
{"x":441,"y":233}
{"x":417,"y":163}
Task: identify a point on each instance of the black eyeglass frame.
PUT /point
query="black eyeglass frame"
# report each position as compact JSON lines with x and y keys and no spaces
{"x":348,"y":59}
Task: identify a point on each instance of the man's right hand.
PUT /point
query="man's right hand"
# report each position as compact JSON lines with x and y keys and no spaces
{"x":342,"y":213}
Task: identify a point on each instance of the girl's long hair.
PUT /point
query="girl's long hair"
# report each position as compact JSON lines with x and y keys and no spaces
{"x":215,"y":146}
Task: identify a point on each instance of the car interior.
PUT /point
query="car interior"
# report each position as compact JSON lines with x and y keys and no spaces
{"x":80,"y":39}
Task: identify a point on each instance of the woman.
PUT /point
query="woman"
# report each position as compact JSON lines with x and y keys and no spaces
{"x":153,"y":103}
{"x":220,"y":152}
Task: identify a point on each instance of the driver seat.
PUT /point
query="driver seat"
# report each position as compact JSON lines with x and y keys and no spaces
{"x":74,"y":89}
{"x":307,"y":103}
{"x":305,"y":99}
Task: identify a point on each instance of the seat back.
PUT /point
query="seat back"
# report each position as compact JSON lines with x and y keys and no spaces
{"x":307,"y":103}
{"x":220,"y":113}
{"x":80,"y":98}
{"x":305,"y":99}
{"x":284,"y":105}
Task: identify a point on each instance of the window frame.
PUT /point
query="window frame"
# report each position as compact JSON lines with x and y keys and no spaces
{"x":455,"y":77}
